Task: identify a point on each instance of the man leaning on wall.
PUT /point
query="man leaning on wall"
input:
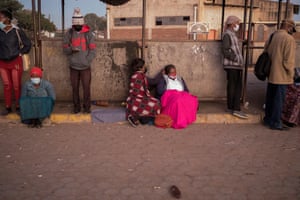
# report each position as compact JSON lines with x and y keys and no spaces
{"x":282,"y":50}
{"x":80,"y":47}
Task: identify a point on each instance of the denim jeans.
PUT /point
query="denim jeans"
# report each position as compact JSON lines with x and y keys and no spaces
{"x":274,"y":104}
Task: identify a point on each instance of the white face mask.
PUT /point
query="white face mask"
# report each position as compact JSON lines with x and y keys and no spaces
{"x":36,"y":80}
{"x":236,"y":28}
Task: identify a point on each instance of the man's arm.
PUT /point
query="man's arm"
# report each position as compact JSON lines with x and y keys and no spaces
{"x":91,"y":47}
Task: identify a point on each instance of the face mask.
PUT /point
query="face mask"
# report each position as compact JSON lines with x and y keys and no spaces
{"x":2,"y":26}
{"x":172,"y":76}
{"x":36,"y":80}
{"x":236,"y":28}
{"x":290,"y":31}
{"x":77,"y":27}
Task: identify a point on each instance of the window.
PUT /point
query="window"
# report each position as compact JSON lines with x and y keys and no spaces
{"x":172,"y":20}
{"x":296,"y":9}
{"x":128,"y":21}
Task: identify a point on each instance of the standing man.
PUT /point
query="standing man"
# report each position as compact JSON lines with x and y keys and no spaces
{"x":282,"y":52}
{"x":80,"y":47}
{"x":233,"y":63}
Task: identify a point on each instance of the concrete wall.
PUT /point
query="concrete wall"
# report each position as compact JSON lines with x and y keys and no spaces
{"x":199,"y":63}
{"x":109,"y":69}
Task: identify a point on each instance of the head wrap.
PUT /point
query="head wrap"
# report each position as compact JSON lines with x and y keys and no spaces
{"x":77,"y":18}
{"x":36,"y":71}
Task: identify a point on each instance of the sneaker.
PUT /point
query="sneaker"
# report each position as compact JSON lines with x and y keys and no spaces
{"x":6,"y":111}
{"x":38,"y":124}
{"x":132,"y":121}
{"x":240,"y":114}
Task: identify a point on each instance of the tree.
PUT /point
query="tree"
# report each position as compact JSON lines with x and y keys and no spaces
{"x":24,"y":17}
{"x":12,"y":5}
{"x":95,"y":22}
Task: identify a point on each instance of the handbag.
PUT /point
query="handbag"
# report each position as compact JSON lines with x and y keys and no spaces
{"x":263,"y":64}
{"x":25,"y":57}
{"x":297,"y":75}
{"x":163,"y":121}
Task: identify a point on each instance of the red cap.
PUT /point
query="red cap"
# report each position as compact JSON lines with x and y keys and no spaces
{"x":36,"y":71}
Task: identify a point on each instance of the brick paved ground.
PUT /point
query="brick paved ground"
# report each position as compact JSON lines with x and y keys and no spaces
{"x":117,"y":162}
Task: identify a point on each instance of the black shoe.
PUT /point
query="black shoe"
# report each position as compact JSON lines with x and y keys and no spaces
{"x":18,"y":110}
{"x":132,"y":121}
{"x":283,"y":128}
{"x":6,"y":111}
{"x":87,"y":111}
{"x":288,"y":124}
{"x":76,"y":110}
{"x":32,"y":124}
{"x":38,"y":124}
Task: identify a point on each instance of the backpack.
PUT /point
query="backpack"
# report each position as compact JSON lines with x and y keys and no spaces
{"x":263,"y":64}
{"x":163,"y":121}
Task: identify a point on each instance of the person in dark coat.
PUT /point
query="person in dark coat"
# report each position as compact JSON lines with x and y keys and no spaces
{"x":11,"y":65}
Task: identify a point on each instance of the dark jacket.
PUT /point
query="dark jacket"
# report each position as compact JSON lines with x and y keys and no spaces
{"x":84,"y":41}
{"x":9,"y":44}
{"x":162,"y":86}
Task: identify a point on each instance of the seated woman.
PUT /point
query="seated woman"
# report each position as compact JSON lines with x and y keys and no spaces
{"x":176,"y":101}
{"x":291,"y":109}
{"x":139,"y":102}
{"x":37,"y":99}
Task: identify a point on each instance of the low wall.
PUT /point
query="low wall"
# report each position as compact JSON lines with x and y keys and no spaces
{"x":109,"y":69}
{"x":198,"y":62}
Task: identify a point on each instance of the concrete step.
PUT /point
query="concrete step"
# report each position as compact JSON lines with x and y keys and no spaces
{"x":202,"y":118}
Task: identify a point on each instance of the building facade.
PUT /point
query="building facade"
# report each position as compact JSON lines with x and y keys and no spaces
{"x":169,"y":19}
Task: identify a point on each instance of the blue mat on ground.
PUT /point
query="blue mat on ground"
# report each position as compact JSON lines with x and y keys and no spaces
{"x":108,"y":115}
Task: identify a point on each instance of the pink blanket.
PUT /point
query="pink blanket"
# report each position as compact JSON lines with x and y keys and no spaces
{"x":180,"y":106}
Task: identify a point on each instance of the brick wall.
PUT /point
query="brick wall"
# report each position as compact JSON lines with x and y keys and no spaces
{"x":166,"y":34}
{"x":169,"y":34}
{"x":126,"y":34}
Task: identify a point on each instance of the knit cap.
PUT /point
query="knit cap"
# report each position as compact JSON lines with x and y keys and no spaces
{"x":77,"y":18}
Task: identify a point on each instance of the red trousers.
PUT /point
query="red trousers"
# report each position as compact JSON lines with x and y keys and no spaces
{"x":11,"y":75}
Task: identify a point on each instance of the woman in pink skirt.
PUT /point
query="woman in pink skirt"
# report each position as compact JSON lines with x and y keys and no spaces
{"x":176,"y":101}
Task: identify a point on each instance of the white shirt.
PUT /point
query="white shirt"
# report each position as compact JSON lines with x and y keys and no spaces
{"x":175,"y":84}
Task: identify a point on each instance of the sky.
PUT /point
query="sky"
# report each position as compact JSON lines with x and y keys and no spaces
{"x":53,"y":8}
